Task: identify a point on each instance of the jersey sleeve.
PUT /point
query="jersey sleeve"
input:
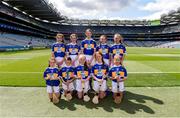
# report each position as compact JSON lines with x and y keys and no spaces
{"x":110,"y":73}
{"x":67,"y":48}
{"x":97,"y":48}
{"x":92,"y":70}
{"x":124,"y":49}
{"x":125,"y":72}
{"x":45,"y":74}
{"x":53,"y":48}
{"x":107,"y":69}
{"x":75,"y":71}
{"x":95,"y":44}
{"x":89,"y":72}
{"x":79,"y":48}
{"x":110,"y":50}
{"x":82,"y":44}
{"x":60,"y":73}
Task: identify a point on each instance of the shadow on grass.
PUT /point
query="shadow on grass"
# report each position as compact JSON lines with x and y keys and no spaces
{"x":131,"y":103}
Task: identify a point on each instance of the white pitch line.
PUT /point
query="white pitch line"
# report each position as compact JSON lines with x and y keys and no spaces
{"x":13,"y":58}
{"x":128,"y":72}
{"x":151,"y":72}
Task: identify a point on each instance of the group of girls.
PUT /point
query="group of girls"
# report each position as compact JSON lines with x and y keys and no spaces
{"x":77,"y":66}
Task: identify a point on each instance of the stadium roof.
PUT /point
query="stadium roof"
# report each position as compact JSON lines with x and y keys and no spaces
{"x":85,"y":22}
{"x":173,"y":17}
{"x":46,"y":12}
{"x":39,"y":9}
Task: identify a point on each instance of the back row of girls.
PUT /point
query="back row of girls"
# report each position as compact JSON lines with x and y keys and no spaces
{"x":88,"y":47}
{"x":78,"y":64}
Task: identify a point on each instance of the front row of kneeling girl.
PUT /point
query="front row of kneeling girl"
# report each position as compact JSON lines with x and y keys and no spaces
{"x":77,"y":78}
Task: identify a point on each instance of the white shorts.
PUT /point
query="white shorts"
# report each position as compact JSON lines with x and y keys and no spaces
{"x":73,"y":57}
{"x":50,"y":89}
{"x":115,"y":88}
{"x":59,"y":59}
{"x":71,"y":86}
{"x":106,"y":61}
{"x":97,"y":86}
{"x":79,"y":86}
{"x":88,"y":58}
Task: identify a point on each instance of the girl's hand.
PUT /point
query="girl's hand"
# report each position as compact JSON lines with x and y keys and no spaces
{"x":104,"y":76}
{"x":100,"y":81}
{"x":88,"y":62}
{"x":46,"y":78}
{"x":119,"y":79}
{"x":82,"y":80}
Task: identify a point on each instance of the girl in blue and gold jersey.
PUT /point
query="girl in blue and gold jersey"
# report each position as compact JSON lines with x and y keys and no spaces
{"x":67,"y":76}
{"x":104,"y":49}
{"x":58,"y":49}
{"x":52,"y":81}
{"x":118,"y":48}
{"x":73,"y":49}
{"x":83,"y":75}
{"x":118,"y":75}
{"x":99,"y":73}
{"x":88,"y":47}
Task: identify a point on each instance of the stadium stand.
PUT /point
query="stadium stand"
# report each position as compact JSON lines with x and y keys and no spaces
{"x":23,"y":22}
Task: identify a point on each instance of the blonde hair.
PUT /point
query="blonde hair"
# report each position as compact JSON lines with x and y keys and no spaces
{"x":103,"y":36}
{"x":120,"y":37}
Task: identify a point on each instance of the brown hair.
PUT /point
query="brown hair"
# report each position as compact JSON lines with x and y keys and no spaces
{"x":101,"y":56}
{"x":61,"y":35}
{"x":88,"y":30}
{"x":72,"y":35}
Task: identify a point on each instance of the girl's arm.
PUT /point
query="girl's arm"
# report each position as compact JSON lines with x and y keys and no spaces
{"x":64,"y":82}
{"x":46,"y":78}
{"x":95,"y":77}
{"x":123,"y":79}
{"x":111,"y":59}
{"x":52,"y":54}
{"x":88,"y":78}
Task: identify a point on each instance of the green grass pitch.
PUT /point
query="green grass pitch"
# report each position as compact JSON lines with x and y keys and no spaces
{"x":152,"y":88}
{"x":151,"y":67}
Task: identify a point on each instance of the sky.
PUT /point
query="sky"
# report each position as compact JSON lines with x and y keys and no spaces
{"x":115,"y":9}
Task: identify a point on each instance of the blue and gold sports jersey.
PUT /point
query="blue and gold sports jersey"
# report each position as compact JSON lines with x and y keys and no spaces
{"x":118,"y":49}
{"x":88,"y":45}
{"x":81,"y":72}
{"x":117,"y":71}
{"x":59,"y":49}
{"x":72,"y":49}
{"x":67,"y":73}
{"x":104,"y":49}
{"x":99,"y":70}
{"x":50,"y":72}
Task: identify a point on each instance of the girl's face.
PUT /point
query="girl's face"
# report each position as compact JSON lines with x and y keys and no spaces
{"x":82,"y":59}
{"x":52,"y":63}
{"x":73,"y":39}
{"x":59,"y":38}
{"x":117,"y":60}
{"x":116,"y":39}
{"x":102,"y":39}
{"x":88,"y":34}
{"x":68,"y":62}
{"x":98,"y":58}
